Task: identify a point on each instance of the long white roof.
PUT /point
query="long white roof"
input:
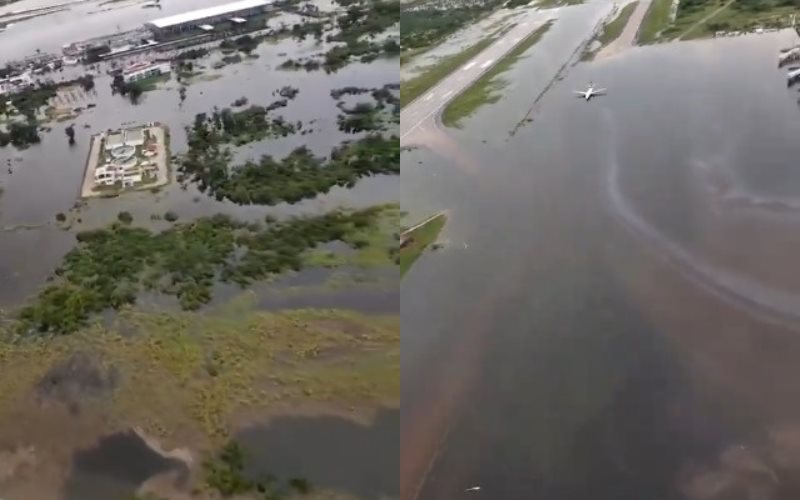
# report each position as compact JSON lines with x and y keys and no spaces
{"x":200,"y":14}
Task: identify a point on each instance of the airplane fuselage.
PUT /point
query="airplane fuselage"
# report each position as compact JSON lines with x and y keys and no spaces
{"x":590,"y":92}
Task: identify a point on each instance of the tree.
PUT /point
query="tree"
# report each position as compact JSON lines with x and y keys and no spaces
{"x":135,"y":92}
{"x":70,"y":131}
{"x":125,"y":217}
{"x":170,"y":216}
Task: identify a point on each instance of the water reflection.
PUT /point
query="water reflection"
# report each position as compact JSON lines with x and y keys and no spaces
{"x":332,"y":453}
{"x":115,"y":468}
{"x":47,"y":179}
{"x":559,"y":356}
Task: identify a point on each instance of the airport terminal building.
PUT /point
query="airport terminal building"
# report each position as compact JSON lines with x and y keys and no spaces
{"x":206,"y":19}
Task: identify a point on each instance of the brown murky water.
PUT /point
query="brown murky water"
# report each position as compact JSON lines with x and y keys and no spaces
{"x":568,"y":346}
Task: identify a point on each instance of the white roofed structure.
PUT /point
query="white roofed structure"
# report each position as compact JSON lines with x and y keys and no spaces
{"x":197,"y":18}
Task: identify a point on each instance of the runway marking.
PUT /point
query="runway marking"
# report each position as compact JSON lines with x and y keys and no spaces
{"x":429,"y":96}
{"x":446,"y":94}
{"x":468,"y":66}
{"x":487,"y":63}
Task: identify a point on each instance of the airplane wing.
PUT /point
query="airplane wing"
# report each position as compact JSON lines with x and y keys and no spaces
{"x":580,"y":92}
{"x":599,"y":91}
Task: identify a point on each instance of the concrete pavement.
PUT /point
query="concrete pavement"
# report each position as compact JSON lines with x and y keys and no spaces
{"x":419,"y":117}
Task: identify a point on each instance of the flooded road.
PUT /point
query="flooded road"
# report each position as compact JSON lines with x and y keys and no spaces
{"x":559,"y":354}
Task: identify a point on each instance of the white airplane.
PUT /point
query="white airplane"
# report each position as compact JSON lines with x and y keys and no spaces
{"x":590,"y":91}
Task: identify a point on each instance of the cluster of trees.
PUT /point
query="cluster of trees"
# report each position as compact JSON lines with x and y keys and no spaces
{"x":357,"y":49}
{"x":240,"y":127}
{"x":21,"y":134}
{"x":357,"y":26}
{"x":365,"y":19}
{"x":363,"y":117}
{"x":367,"y":116}
{"x":133,"y":90}
{"x":110,"y":266}
{"x":299,"y":176}
{"x":191,"y":54}
{"x":244,"y":43}
{"x":225,"y":474}
{"x":311,"y":28}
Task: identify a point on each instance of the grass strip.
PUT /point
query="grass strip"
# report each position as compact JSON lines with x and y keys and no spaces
{"x":485,"y":89}
{"x":656,"y":20}
{"x":414,"y":87}
{"x":418,"y":239}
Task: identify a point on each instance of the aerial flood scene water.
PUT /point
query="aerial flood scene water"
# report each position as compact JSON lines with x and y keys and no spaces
{"x":207,"y":247}
{"x":614,"y":312}
{"x":198,"y":246}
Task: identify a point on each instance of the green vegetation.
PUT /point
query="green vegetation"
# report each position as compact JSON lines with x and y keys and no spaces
{"x":415,"y":242}
{"x":360,"y":22}
{"x":549,"y":4}
{"x":656,"y":20}
{"x":612,"y":30}
{"x":244,"y":44}
{"x":239,"y":127}
{"x":269,"y":181}
{"x":225,"y":474}
{"x":191,"y":373}
{"x":423,"y":26}
{"x":486,"y":89}
{"x":429,"y":76}
{"x":109,"y":267}
{"x":21,"y":134}
{"x":366,"y":116}
{"x":125,"y":217}
{"x":702,"y":18}
{"x":30,"y":100}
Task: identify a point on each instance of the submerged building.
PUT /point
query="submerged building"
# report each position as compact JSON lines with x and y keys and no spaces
{"x":207,"y":19}
{"x":144,"y":70}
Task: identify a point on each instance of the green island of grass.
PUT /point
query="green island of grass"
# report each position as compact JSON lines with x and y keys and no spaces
{"x":612,"y":30}
{"x":184,"y":377}
{"x":703,"y":18}
{"x":414,"y":241}
{"x":486,"y":89}
{"x":656,"y":19}
{"x":110,"y":267}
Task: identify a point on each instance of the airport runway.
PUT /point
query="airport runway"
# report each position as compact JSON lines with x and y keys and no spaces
{"x":419,"y":117}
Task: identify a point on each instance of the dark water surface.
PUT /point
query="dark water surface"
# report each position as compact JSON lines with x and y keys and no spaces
{"x":556,"y":355}
{"x":115,"y":468}
{"x":45,"y":179}
{"x":330,"y":452}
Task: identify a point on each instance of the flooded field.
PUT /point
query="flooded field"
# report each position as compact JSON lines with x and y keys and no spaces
{"x":53,"y":170}
{"x":342,"y":454}
{"x":596,"y":360}
{"x":324,"y":335}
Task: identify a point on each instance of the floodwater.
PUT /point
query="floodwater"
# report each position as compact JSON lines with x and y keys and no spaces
{"x":551,"y":350}
{"x":332,"y":453}
{"x":115,"y":468}
{"x":45,"y":179}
